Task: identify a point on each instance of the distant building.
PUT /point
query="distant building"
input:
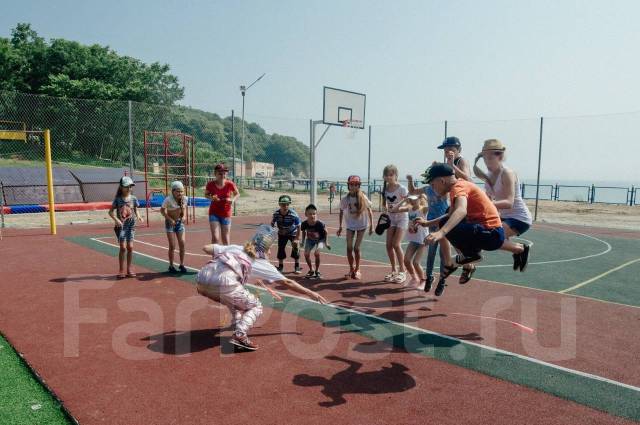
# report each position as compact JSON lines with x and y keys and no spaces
{"x":259,"y":169}
{"x":251,"y":168}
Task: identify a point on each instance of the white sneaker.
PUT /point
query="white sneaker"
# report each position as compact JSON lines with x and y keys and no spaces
{"x":390,"y":277}
{"x":400,"y":277}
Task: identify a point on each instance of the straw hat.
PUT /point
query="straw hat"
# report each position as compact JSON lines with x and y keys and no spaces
{"x":493,"y":145}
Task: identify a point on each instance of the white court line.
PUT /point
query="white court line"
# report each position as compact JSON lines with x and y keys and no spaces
{"x":418,"y":329}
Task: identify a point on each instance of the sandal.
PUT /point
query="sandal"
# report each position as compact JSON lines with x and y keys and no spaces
{"x":466,"y":275}
{"x":121,"y":276}
{"x":356,"y":275}
{"x":448,"y":270}
{"x":131,"y":274}
{"x":349,"y":275}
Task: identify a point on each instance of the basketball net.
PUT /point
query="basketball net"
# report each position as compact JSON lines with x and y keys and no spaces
{"x":352,"y":127}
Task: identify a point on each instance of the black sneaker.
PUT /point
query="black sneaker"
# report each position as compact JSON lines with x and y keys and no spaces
{"x":280,"y":267}
{"x":297,"y":269}
{"x":182,"y":268}
{"x":440,"y":287}
{"x":428,"y":283}
{"x":524,"y":258}
{"x":462,"y":260}
{"x":310,"y":274}
{"x":516,"y":261}
{"x":172,"y":269}
{"x":318,"y":275}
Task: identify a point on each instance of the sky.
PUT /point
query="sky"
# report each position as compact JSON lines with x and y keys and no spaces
{"x":490,"y":69}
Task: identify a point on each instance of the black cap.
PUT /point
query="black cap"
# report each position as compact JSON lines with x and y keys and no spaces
{"x":438,"y":169}
{"x":450,"y":141}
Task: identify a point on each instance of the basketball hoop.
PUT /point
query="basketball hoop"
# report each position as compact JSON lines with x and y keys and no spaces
{"x":352,"y":126}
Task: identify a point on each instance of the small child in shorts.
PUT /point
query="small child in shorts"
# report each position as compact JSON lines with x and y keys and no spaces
{"x":314,"y":238}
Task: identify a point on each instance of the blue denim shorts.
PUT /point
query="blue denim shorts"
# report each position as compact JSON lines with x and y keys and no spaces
{"x":518,"y":226}
{"x":178,"y":227}
{"x":126,"y":232}
{"x":225,"y":221}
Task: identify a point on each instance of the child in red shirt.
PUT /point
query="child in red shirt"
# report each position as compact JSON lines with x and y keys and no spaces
{"x":222,"y":193}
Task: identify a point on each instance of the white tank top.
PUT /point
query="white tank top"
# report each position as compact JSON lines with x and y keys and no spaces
{"x":519,"y":209}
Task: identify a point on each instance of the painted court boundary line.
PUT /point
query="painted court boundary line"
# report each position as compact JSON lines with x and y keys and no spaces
{"x":382,"y":264}
{"x":588,"y":389}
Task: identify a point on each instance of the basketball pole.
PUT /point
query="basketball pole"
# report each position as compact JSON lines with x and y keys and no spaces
{"x":47,"y":158}
{"x":313,"y":145}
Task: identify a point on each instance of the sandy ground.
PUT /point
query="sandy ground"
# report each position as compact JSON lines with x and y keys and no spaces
{"x":255,"y":202}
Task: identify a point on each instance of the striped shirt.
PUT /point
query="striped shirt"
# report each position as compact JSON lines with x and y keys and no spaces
{"x":288,"y":223}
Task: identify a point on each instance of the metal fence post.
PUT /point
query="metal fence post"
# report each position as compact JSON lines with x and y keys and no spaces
{"x":130,"y":143}
{"x":535,"y":216}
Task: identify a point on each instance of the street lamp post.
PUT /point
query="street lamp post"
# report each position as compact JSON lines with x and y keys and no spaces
{"x":243,"y":91}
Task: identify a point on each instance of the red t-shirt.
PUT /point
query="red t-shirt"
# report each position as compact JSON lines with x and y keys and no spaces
{"x":480,"y":209}
{"x":222,"y":207}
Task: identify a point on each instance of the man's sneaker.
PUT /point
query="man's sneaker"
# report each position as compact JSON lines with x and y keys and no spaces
{"x":516,"y":261}
{"x":172,"y":269}
{"x":428,"y":283}
{"x":297,"y":269}
{"x":310,"y":274}
{"x":462,"y":260}
{"x":318,"y":275}
{"x":182,"y":268}
{"x":524,"y":258}
{"x":243,"y":342}
{"x":440,"y":288}
{"x":280,"y":267}
{"x":390,"y":277}
{"x":400,"y":277}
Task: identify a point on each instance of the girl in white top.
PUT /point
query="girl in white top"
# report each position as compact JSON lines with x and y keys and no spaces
{"x":503,"y":187}
{"x":392,"y":194}
{"x":416,"y":209}
{"x":223,"y":279}
{"x":356,"y":208}
{"x":173,"y":210}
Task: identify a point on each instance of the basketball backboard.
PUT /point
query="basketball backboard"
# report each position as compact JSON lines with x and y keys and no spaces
{"x":340,"y":106}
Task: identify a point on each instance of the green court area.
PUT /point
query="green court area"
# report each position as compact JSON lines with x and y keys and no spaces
{"x":24,"y":399}
{"x":600,"y":267}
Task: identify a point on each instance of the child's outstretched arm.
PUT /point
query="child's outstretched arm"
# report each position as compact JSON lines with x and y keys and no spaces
{"x":273,"y":293}
{"x":301,"y":290}
{"x":401,"y":207}
{"x":370,"y":213}
{"x":208,"y":248}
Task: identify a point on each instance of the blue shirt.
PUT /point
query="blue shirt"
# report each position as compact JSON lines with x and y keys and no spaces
{"x":288,"y":223}
{"x":437,"y":204}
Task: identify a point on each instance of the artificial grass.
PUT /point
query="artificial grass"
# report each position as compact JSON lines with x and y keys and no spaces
{"x":23,"y":400}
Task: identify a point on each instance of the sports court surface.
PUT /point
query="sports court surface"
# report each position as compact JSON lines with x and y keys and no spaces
{"x":556,"y":344}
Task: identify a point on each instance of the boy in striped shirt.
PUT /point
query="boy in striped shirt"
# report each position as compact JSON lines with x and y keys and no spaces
{"x":288,"y":223}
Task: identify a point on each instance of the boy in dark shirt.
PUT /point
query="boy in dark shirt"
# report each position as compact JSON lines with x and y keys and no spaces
{"x":314,"y":237}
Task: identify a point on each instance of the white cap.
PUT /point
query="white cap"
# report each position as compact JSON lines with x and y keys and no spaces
{"x":126,"y":181}
{"x":177,"y":185}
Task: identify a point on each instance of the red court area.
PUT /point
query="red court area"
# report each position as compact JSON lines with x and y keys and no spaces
{"x":149,"y":350}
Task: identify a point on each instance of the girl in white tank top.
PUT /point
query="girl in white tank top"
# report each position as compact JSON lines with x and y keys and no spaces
{"x":503,"y":187}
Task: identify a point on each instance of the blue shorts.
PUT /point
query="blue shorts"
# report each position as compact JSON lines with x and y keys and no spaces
{"x":516,"y":225}
{"x":225,"y":221}
{"x":471,"y":238}
{"x":310,"y":245}
{"x":126,"y":232}
{"x":178,"y":227}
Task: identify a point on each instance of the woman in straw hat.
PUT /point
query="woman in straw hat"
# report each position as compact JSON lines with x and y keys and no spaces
{"x":503,"y":187}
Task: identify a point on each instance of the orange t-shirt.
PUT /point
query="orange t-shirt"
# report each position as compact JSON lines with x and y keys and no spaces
{"x":480,"y":209}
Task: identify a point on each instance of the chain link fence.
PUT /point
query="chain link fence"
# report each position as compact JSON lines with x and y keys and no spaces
{"x":95,"y":142}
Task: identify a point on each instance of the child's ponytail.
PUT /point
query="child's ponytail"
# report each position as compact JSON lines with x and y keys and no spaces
{"x":250,"y":250}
